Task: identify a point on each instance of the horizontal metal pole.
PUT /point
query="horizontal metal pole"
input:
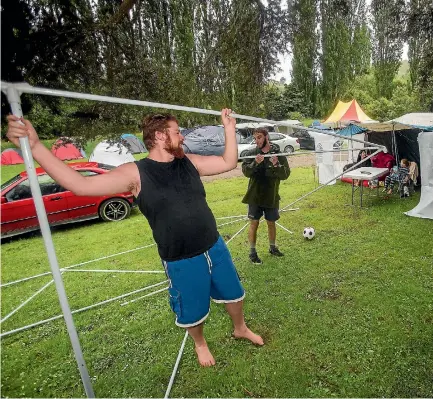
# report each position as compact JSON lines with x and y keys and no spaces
{"x":77,"y":264}
{"x":5,"y":334}
{"x":144,"y":296}
{"x":115,"y":271}
{"x":27,"y":301}
{"x":26,"y":88}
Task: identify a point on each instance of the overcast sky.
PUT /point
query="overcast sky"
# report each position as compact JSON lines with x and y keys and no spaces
{"x":286,"y":65}
{"x":286,"y":60}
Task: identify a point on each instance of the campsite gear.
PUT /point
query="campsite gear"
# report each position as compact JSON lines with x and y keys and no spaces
{"x":133,"y":143}
{"x":11,"y":156}
{"x":204,"y":140}
{"x":425,"y":207}
{"x":65,"y":149}
{"x":114,"y":153}
{"x":348,"y":112}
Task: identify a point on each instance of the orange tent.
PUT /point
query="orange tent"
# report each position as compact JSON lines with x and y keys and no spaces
{"x":348,"y":112}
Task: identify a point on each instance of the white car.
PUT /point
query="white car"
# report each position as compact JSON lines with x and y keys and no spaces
{"x":285,"y":143}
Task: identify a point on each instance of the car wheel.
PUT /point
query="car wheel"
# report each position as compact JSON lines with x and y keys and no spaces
{"x":289,"y":149}
{"x":244,"y":153}
{"x":114,"y":209}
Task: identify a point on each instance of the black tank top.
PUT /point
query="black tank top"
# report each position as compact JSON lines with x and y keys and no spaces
{"x":173,"y":200}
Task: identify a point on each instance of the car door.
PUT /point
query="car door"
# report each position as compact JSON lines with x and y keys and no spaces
{"x":276,"y":139}
{"x":55,"y":199}
{"x":19,"y":212}
{"x":306,"y":142}
{"x":83,"y":207}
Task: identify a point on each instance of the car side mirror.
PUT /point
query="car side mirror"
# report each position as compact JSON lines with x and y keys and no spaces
{"x":4,"y":200}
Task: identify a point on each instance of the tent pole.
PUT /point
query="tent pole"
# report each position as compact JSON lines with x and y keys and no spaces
{"x":14,"y":100}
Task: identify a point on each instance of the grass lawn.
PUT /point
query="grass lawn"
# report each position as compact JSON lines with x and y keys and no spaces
{"x":348,"y":314}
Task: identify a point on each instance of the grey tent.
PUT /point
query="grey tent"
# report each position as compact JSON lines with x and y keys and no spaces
{"x":134,"y":144}
{"x":204,"y":140}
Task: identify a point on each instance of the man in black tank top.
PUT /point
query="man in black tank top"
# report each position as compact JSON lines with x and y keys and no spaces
{"x":171,"y":196}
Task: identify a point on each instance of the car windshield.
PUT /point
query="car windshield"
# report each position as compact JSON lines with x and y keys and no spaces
{"x":245,"y":140}
{"x":9,"y":182}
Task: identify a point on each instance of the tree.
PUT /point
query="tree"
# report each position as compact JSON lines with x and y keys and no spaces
{"x":388,"y":34}
{"x":304,"y":41}
{"x":420,"y":39}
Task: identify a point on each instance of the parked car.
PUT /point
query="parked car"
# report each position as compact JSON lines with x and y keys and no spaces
{"x":18,"y":213}
{"x":306,"y":140}
{"x":285,"y":143}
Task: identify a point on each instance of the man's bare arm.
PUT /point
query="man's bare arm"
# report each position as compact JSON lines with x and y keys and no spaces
{"x":213,"y":165}
{"x":124,"y":178}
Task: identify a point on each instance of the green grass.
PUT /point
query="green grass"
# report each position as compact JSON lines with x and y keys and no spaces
{"x":348,"y":314}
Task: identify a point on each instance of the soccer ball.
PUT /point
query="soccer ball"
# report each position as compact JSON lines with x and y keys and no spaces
{"x":309,"y":233}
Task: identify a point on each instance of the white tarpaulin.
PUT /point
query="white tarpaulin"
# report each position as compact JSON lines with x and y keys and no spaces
{"x":425,"y":207}
{"x":344,"y":157}
{"x":325,"y":160}
{"x":417,"y":119}
{"x":114,"y":154}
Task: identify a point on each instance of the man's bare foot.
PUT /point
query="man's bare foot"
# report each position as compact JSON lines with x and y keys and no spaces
{"x":248,"y":334}
{"x":205,"y":358}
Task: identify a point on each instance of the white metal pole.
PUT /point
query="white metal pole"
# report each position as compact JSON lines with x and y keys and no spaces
{"x":13,"y":97}
{"x":236,"y":234}
{"x":291,"y":232}
{"x":329,"y":181}
{"x":144,"y":296}
{"x":5,"y":334}
{"x":26,"y":88}
{"x":26,"y":301}
{"x":114,"y":271}
{"x":76,"y":265}
{"x":176,"y":365}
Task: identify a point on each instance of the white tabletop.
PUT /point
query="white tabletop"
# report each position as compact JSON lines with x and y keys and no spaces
{"x":366,"y":173}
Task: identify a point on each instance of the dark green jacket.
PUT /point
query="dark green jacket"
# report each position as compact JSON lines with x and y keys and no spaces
{"x":264,"y":184}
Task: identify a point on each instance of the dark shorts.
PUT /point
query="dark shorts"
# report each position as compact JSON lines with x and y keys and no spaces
{"x":255,"y":212}
{"x":194,"y":281}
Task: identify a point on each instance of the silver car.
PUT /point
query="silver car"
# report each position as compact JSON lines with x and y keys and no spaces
{"x":287,"y":144}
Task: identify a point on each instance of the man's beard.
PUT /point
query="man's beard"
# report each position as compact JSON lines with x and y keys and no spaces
{"x":263,"y":145}
{"x":176,"y":152}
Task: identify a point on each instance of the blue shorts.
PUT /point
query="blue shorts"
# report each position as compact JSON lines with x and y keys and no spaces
{"x":194,"y":281}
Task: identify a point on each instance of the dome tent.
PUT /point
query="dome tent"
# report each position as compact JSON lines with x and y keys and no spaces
{"x":11,"y":156}
{"x":135,"y":145}
{"x":66,"y":149}
{"x":204,"y":140}
{"x":348,"y":112}
{"x":111,"y":153}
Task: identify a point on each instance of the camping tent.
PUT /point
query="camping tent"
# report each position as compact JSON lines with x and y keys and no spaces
{"x":400,"y":140}
{"x":348,"y":112}
{"x":422,"y":121}
{"x":204,"y":140}
{"x":111,"y":153}
{"x":65,"y":149}
{"x":134,"y":144}
{"x":11,"y":156}
{"x":425,"y":207}
{"x":287,"y":129}
{"x":325,"y":160}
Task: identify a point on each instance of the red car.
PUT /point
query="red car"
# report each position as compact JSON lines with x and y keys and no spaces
{"x":18,"y":213}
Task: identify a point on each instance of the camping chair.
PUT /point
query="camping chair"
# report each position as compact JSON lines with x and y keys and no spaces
{"x":414,"y":172}
{"x":413,"y":180}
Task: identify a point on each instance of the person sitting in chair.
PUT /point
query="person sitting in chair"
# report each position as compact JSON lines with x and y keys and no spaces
{"x":398,"y":175}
